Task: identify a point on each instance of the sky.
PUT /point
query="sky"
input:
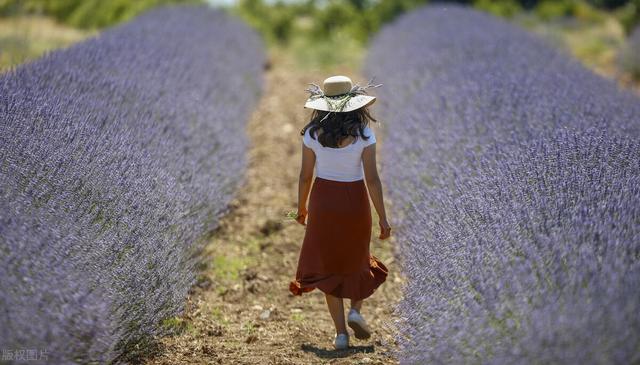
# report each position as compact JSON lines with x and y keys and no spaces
{"x":221,"y":2}
{"x":229,"y":2}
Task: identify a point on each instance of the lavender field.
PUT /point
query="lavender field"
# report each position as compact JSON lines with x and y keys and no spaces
{"x":117,"y":158}
{"x":515,"y":178}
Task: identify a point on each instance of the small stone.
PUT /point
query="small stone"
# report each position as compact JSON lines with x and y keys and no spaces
{"x":215,"y":331}
{"x":271,"y":226}
{"x":265,"y":314}
{"x":257,"y":307}
{"x":287,"y":128}
{"x":204,"y":283}
{"x":249,"y":274}
{"x":264,"y":277}
{"x":253,"y":288}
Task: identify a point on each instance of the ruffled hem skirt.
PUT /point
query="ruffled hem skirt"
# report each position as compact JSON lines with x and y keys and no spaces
{"x":335,"y":256}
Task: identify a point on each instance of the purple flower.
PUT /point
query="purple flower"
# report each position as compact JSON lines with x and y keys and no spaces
{"x":117,"y":157}
{"x":515,"y":173}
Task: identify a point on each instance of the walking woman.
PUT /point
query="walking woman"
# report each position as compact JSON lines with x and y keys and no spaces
{"x":335,"y":255}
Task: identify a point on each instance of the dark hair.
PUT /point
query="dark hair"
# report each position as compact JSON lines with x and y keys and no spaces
{"x":338,"y":126}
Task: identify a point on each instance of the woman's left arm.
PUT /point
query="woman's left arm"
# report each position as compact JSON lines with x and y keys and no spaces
{"x":304,"y":181}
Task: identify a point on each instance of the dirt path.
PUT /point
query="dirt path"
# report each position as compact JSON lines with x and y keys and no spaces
{"x":241,"y":312}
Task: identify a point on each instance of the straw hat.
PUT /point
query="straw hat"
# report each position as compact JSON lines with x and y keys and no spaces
{"x":338,"y":94}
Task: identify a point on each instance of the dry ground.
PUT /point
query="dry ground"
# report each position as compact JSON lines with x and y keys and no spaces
{"x":242,"y":312}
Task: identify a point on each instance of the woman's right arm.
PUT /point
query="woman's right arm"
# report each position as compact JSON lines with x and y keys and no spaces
{"x":304,"y":182}
{"x":375,"y":188}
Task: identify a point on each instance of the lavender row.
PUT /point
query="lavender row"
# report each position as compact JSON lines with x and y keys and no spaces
{"x":117,"y":158}
{"x":515,"y":178}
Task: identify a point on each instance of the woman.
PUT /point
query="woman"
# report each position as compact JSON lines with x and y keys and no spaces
{"x":335,"y":254}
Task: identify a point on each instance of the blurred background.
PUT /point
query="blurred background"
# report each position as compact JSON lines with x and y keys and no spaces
{"x":600,"y":33}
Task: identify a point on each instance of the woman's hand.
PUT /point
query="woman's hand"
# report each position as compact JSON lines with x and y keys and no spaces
{"x":385,"y":229}
{"x":302,"y":214}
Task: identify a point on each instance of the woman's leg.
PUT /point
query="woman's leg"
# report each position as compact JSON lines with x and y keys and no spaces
{"x":357,"y":304}
{"x":336,"y":309}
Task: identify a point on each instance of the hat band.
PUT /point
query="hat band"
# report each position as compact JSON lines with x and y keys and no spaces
{"x":339,"y":96}
{"x":338,"y":102}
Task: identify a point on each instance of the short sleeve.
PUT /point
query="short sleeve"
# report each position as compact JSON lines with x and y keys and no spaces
{"x":306,"y":139}
{"x":372,"y":137}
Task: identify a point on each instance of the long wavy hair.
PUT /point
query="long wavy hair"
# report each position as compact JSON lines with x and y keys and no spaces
{"x":338,"y":126}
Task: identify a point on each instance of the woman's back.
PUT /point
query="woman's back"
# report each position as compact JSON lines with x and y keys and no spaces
{"x":339,"y":164}
{"x":335,"y":255}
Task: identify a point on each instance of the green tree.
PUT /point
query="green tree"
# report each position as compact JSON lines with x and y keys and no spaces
{"x":629,"y":15}
{"x":275,"y":22}
{"x":608,"y":4}
{"x":504,"y":8}
{"x":84,"y":13}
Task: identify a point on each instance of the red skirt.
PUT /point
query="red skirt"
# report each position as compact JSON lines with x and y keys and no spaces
{"x":335,"y":254}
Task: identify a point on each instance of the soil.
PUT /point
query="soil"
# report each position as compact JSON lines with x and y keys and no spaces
{"x":241,"y":310}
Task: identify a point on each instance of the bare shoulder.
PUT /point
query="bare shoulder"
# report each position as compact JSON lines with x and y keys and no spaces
{"x":370,"y":136}
{"x":369,"y":131}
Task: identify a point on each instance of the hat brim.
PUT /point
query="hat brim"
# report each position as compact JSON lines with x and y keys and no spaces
{"x":356,"y":102}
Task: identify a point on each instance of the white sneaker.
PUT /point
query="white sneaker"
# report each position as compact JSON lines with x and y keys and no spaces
{"x":358,"y":325}
{"x":341,"y":341}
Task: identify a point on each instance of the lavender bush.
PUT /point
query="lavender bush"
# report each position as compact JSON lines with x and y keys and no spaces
{"x":515,"y":172}
{"x":117,"y":157}
{"x":629,"y":58}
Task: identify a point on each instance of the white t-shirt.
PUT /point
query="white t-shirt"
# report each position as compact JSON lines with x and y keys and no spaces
{"x":340,"y":164}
